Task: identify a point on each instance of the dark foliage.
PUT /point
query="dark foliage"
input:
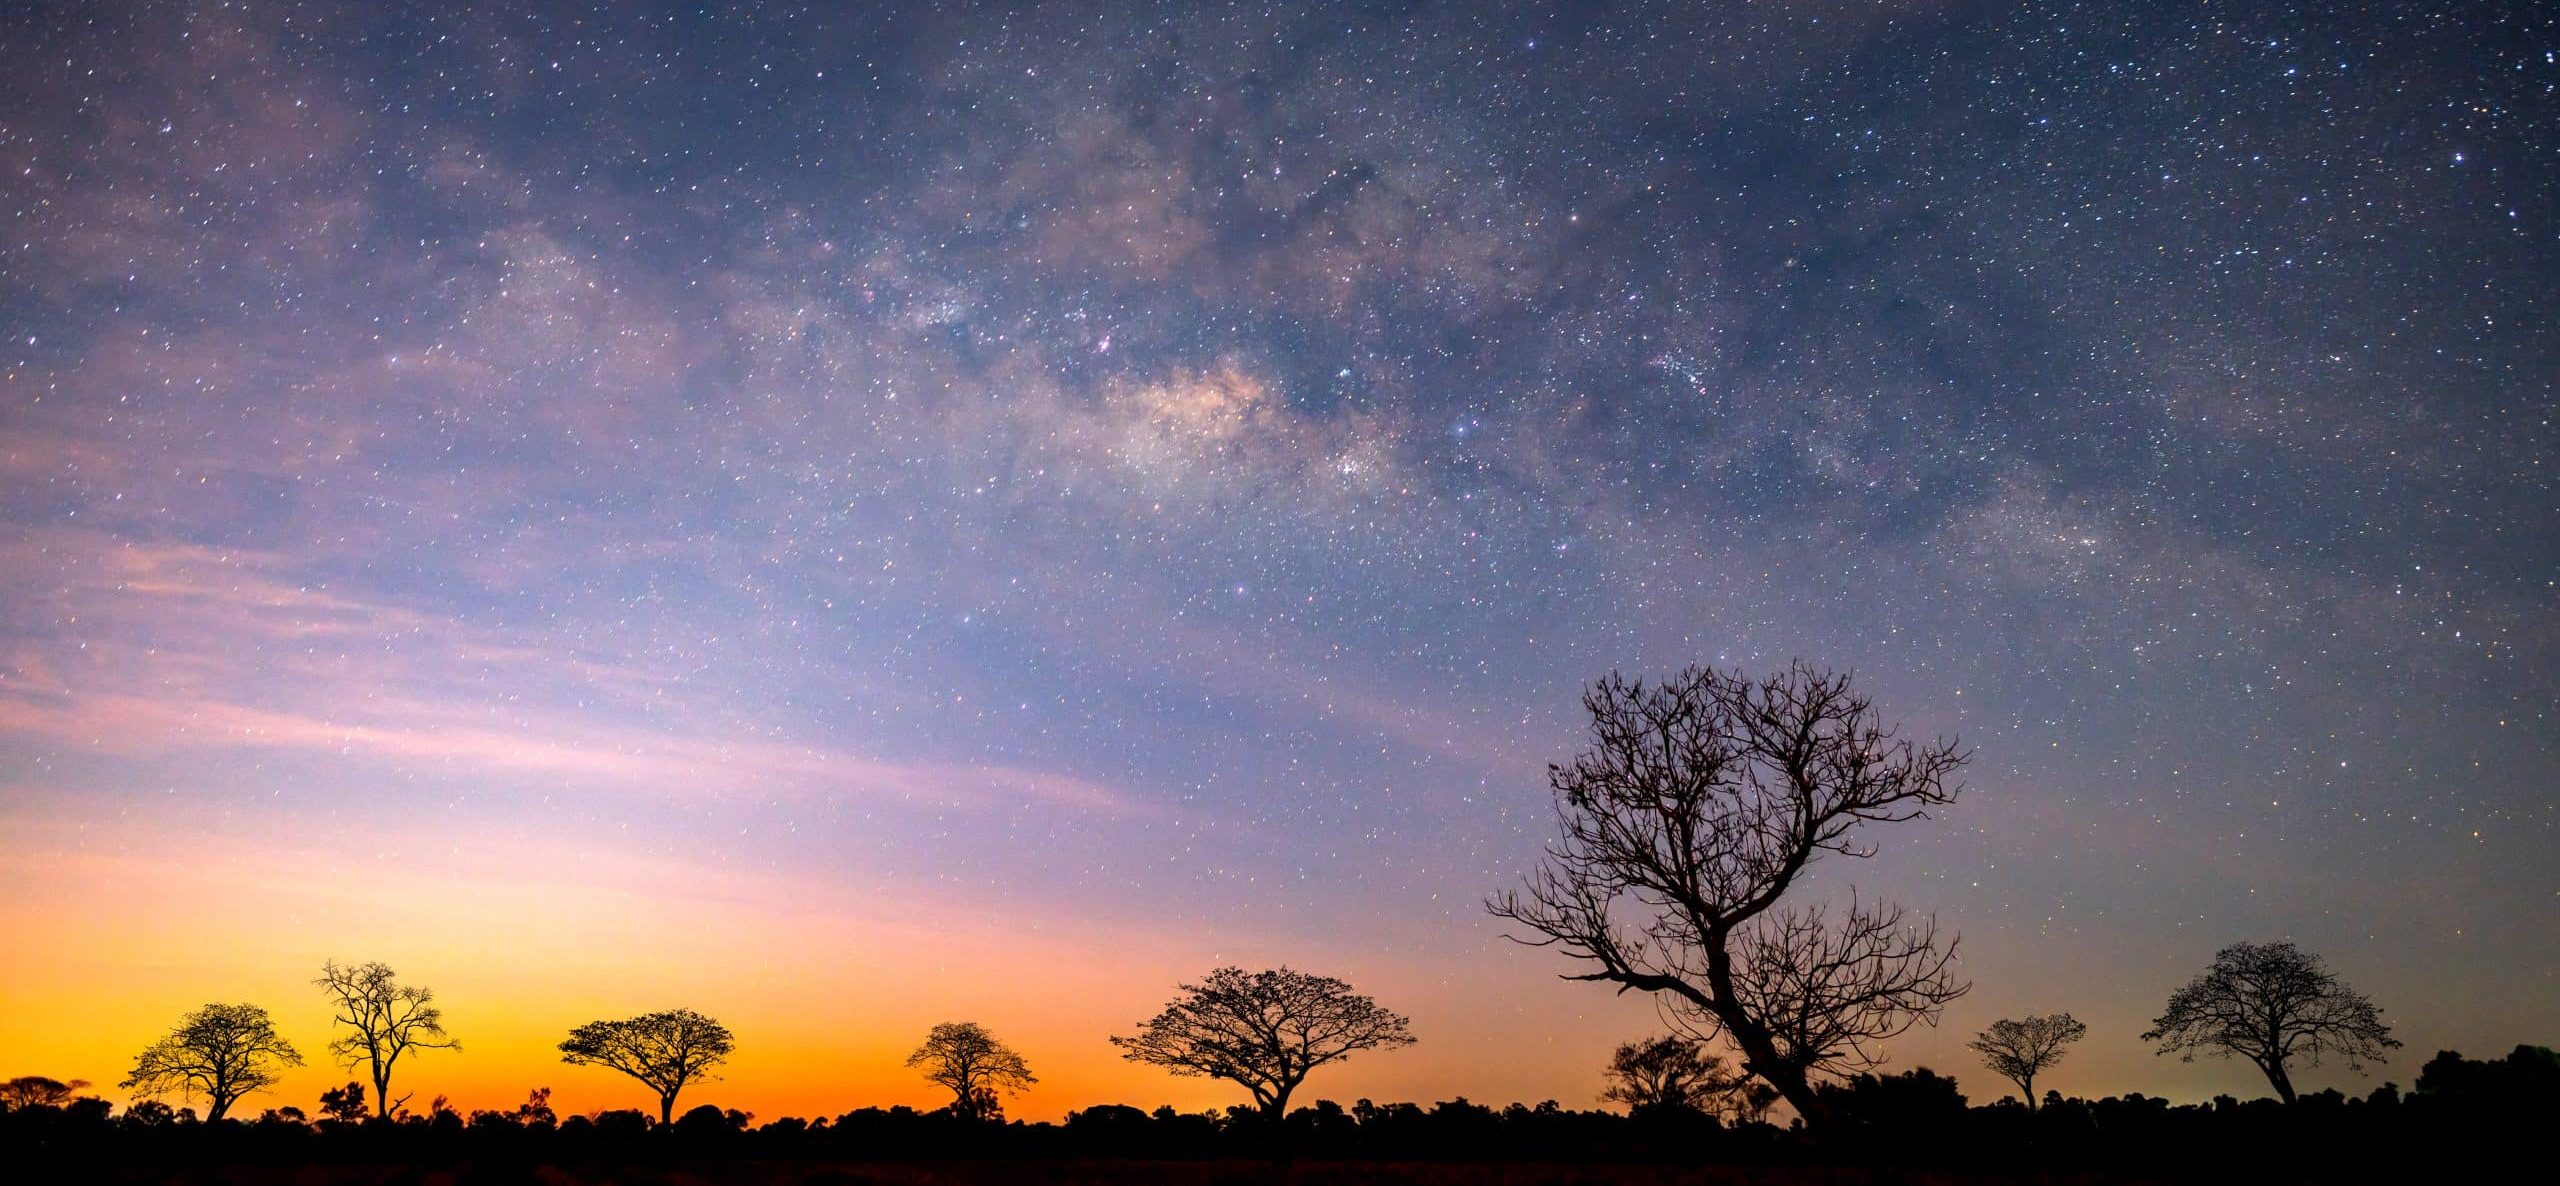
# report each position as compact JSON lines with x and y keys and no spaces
{"x":2465,"y":1118}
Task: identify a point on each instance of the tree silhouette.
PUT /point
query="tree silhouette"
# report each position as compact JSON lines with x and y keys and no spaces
{"x":387,"y":1019}
{"x":1676,"y":1073}
{"x":344,"y":1104}
{"x":2023,"y":1049}
{"x":38,"y":1091}
{"x":1263,"y":1031}
{"x":665,"y":1050}
{"x":967,"y":1061}
{"x":220,"y":1051}
{"x":2272,"y":1003}
{"x":1699,"y":803}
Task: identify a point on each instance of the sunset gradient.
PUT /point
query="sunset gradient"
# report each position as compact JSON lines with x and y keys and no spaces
{"x":856,"y":519}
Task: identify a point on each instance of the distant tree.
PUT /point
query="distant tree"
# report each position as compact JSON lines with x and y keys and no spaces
{"x":1263,"y":1031}
{"x":967,"y":1061}
{"x":386,"y":1019}
{"x":37,"y":1091}
{"x":536,"y":1111}
{"x":2272,"y":1003}
{"x":1688,"y":821}
{"x":665,"y":1050}
{"x":344,"y":1104}
{"x":1670,"y":1073}
{"x":223,"y":1052}
{"x":2021,"y":1050}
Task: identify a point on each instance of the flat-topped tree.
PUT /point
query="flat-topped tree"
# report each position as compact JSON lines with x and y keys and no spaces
{"x":2021,"y":1050}
{"x":384,"y":1019}
{"x":1687,"y":823}
{"x":2272,"y":1004}
{"x":222,"y":1052}
{"x":1263,"y":1031}
{"x":665,"y":1051}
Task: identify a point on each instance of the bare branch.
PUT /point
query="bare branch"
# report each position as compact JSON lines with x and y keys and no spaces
{"x":1694,"y":811}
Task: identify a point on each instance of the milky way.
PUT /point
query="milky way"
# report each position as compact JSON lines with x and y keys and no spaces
{"x":1171,"y":469}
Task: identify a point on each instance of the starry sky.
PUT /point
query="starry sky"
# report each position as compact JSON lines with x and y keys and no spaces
{"x":850,"y":517}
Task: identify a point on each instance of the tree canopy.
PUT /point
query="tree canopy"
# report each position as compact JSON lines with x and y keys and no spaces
{"x":2021,"y":1050}
{"x":1263,"y":1031}
{"x":222,"y":1052}
{"x":665,"y":1051}
{"x":2273,"y":1004}
{"x":966,"y":1060}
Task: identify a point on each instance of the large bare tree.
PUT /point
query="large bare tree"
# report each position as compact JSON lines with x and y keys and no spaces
{"x":966,"y":1060}
{"x":2021,"y":1050}
{"x":222,"y":1052}
{"x":1695,"y":811}
{"x":665,"y":1050}
{"x":1263,"y":1031}
{"x":2272,"y":1003}
{"x":385,"y":1019}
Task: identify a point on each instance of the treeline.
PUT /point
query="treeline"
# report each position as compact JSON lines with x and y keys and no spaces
{"x":1684,"y":830}
{"x":2462,"y":1113}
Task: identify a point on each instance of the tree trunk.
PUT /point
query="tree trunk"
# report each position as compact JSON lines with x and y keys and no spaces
{"x":1791,"y":1085}
{"x":1275,"y":1117}
{"x":2028,"y":1085}
{"x":666,"y":1109}
{"x":1759,"y":1054}
{"x":2282,"y":1081}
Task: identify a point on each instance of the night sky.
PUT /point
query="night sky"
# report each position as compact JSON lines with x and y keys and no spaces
{"x":863,"y":516}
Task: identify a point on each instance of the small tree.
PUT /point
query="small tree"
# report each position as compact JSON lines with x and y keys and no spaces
{"x":222,"y":1052}
{"x":344,"y":1104}
{"x":967,"y":1061}
{"x":1263,"y":1031}
{"x":1670,"y":1073}
{"x":2272,"y":1003}
{"x":2021,"y":1050}
{"x":1687,"y":825}
{"x":665,"y":1051}
{"x":386,"y":1019}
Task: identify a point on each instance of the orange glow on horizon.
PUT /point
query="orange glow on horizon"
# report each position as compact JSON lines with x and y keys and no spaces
{"x":827,"y":990}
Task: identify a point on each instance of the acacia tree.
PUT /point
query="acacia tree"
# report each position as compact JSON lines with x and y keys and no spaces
{"x":386,"y":1019}
{"x":966,"y":1060}
{"x":2272,"y":1003}
{"x":220,"y":1051}
{"x":665,"y":1050}
{"x":1263,"y":1031}
{"x":2023,"y":1049}
{"x":1697,"y":808}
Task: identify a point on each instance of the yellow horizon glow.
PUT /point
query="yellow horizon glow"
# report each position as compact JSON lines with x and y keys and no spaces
{"x":826,"y":990}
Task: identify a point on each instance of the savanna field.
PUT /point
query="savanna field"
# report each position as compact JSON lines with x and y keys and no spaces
{"x":1294,"y":592}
